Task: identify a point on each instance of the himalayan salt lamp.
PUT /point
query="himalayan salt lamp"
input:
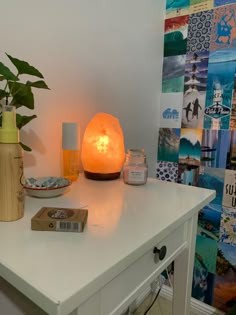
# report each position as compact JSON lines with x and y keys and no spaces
{"x":103,"y":149}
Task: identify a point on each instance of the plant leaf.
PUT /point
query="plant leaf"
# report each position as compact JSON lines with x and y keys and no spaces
{"x":25,"y":147}
{"x":3,"y":94}
{"x":22,"y":95}
{"x":38,"y":84}
{"x":22,"y":120}
{"x":6,"y":73}
{"x":24,"y":67}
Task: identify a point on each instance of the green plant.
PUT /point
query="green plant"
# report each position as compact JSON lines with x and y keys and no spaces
{"x":18,"y":93}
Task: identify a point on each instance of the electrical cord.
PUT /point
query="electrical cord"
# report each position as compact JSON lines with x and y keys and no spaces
{"x":151,"y":305}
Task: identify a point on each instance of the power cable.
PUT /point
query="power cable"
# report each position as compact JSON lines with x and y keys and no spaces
{"x":151,"y":305}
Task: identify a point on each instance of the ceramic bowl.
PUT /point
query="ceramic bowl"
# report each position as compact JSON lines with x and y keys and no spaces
{"x":46,"y":187}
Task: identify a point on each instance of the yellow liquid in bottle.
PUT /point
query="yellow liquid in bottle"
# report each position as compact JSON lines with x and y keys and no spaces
{"x":71,"y":164}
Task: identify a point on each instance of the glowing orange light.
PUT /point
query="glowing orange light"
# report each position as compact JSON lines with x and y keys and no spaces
{"x":103,"y":149}
{"x":102,"y":144}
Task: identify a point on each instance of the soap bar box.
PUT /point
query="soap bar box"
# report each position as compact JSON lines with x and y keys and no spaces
{"x":59,"y":219}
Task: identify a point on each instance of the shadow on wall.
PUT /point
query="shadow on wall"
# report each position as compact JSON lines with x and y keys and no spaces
{"x":31,"y":139}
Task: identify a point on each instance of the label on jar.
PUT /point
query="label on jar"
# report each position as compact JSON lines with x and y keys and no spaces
{"x":136,"y":176}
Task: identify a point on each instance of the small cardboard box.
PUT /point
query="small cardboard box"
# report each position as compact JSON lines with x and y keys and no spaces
{"x":59,"y":219}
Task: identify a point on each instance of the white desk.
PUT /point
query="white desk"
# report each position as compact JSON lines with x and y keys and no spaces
{"x":103,"y":269}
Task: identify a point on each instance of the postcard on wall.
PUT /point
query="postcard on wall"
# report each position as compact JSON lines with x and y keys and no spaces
{"x":228,"y":226}
{"x":173,"y":74}
{"x":225,"y":279}
{"x":190,"y":146}
{"x":223,"y":27}
{"x":206,"y":251}
{"x":168,"y":144}
{"x":221,"y":69}
{"x":229,"y":194}
{"x":167,"y":171}
{"x":203,"y":283}
{"x":200,"y":5}
{"x":188,"y":174}
{"x":195,"y":82}
{"x":233,"y":107}
{"x":199,"y":31}
{"x":215,"y":148}
{"x":175,"y":37}
{"x":213,"y":178}
{"x":170,"y":110}
{"x":204,"y":270}
{"x":231,"y":153}
{"x":177,"y":8}
{"x":209,"y":219}
{"x":218,"y":3}
{"x":217,"y":109}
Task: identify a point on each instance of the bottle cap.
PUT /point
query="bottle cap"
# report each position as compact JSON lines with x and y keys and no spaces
{"x":70,"y":136}
{"x":9,"y":133}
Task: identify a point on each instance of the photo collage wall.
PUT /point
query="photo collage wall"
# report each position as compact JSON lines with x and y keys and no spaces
{"x":197,"y":135}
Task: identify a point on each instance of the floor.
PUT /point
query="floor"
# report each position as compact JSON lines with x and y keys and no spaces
{"x":160,"y":307}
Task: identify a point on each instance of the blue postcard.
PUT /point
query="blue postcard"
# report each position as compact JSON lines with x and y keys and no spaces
{"x":168,"y":144}
{"x":177,"y":8}
{"x":190,"y":146}
{"x":173,"y":74}
{"x":213,"y":178}
{"x":215,"y":148}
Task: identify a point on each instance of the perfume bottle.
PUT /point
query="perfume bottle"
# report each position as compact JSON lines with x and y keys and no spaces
{"x":70,"y":150}
{"x":11,"y":168}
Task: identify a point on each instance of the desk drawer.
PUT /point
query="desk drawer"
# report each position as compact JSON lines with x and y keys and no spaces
{"x":130,"y":283}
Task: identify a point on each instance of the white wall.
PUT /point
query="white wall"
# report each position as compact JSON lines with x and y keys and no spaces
{"x":103,"y":55}
{"x":96,"y":55}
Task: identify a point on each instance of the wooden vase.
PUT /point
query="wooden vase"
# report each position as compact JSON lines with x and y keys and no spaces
{"x":11,"y":182}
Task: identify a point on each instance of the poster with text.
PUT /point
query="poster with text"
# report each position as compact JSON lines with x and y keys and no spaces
{"x":200,"y":5}
{"x":217,"y":109}
{"x":229,"y":194}
{"x":171,"y":110}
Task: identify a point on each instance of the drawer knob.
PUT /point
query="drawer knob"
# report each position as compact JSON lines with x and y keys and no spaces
{"x":160,"y":252}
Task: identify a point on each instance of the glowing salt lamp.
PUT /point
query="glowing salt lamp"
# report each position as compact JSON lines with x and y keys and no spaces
{"x":103,"y":149}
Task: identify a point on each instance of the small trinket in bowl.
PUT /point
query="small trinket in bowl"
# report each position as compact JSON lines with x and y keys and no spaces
{"x":46,"y":187}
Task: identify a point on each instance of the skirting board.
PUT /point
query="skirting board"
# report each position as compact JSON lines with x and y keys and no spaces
{"x":196,"y":306}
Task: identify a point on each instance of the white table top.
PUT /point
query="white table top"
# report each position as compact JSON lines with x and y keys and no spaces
{"x":58,"y":269}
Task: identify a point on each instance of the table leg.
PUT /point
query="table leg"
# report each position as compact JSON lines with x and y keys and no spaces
{"x":183,"y":271}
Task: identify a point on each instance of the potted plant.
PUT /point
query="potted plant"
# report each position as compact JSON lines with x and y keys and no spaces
{"x":16,"y":92}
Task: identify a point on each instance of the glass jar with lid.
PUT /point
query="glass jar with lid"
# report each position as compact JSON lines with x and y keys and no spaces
{"x":135,"y":170}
